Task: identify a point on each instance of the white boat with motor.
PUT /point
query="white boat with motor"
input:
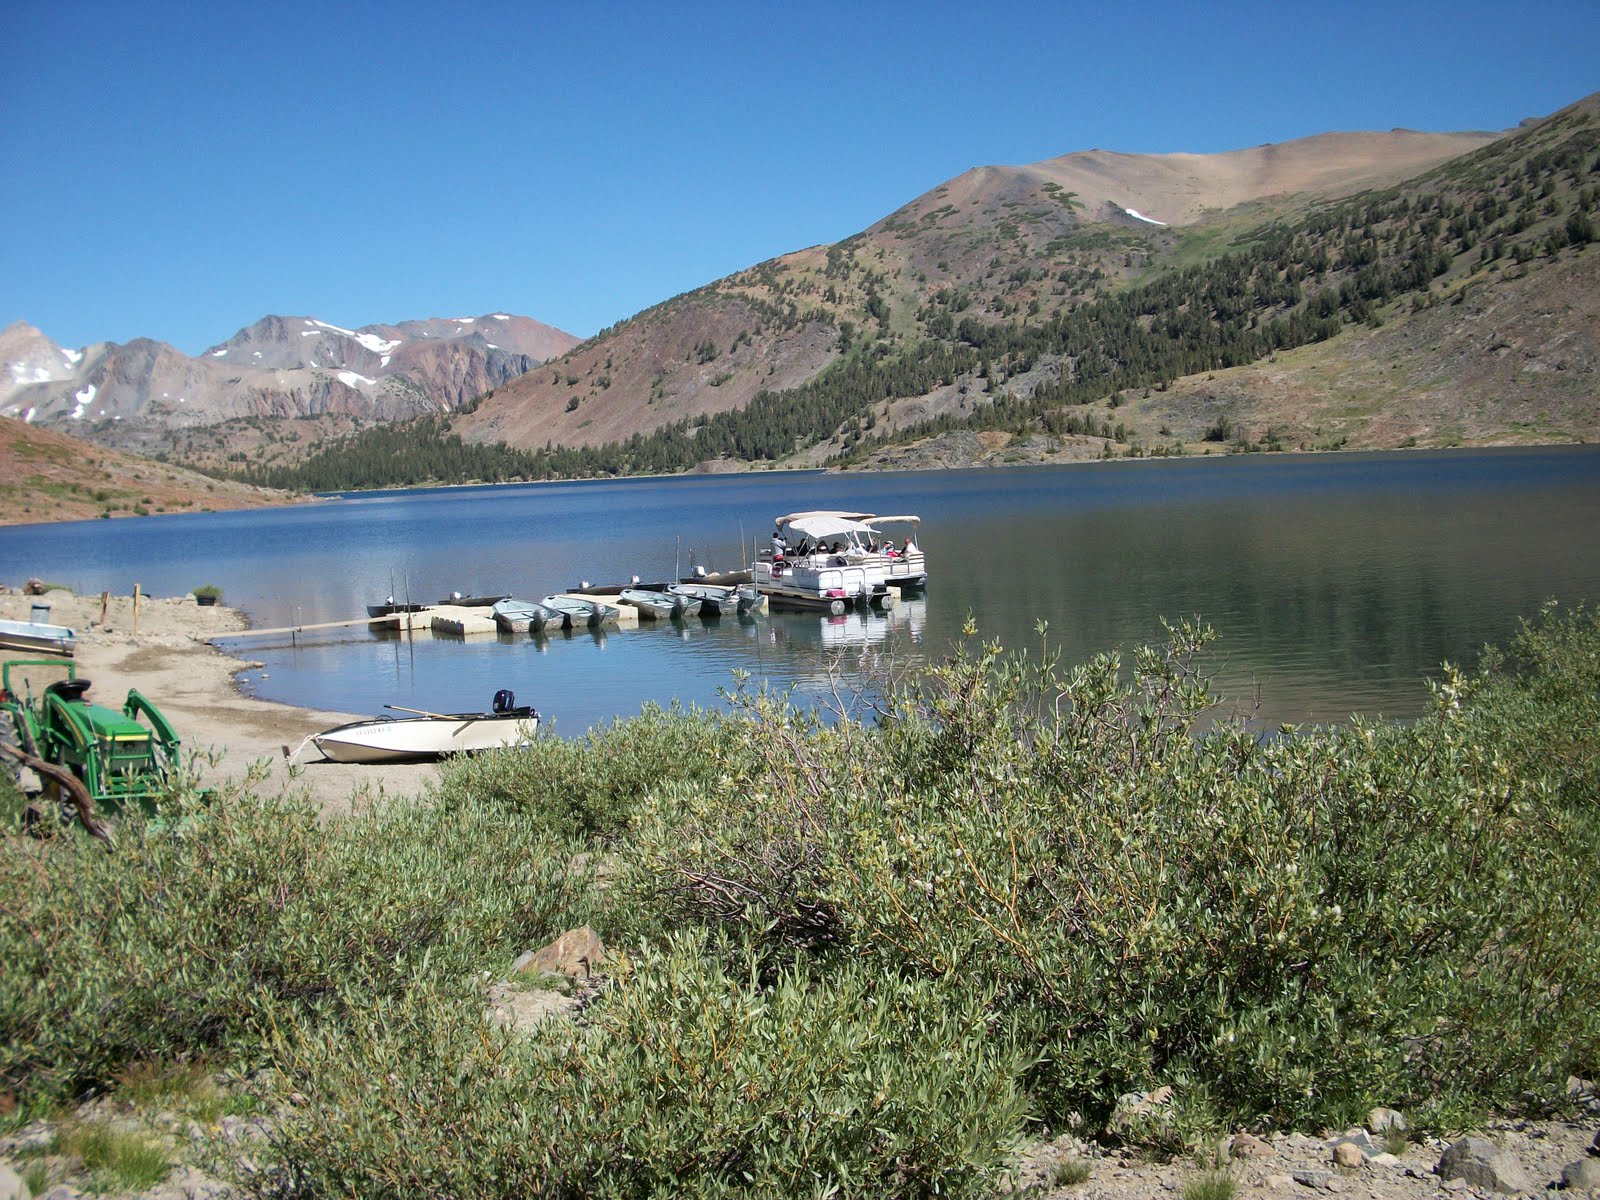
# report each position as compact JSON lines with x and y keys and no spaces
{"x":717,"y":600}
{"x":822,"y":560}
{"x":426,"y":736}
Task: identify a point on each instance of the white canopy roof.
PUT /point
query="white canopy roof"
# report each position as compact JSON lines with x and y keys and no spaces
{"x":825,"y":525}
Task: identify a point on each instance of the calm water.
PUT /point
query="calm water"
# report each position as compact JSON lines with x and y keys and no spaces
{"x":1337,"y":582}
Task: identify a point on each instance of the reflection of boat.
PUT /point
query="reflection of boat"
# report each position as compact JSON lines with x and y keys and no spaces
{"x":36,"y":635}
{"x":662,"y":605}
{"x":717,"y":600}
{"x":576,"y":611}
{"x":427,"y":735}
{"x":524,"y":616}
{"x":829,"y":564}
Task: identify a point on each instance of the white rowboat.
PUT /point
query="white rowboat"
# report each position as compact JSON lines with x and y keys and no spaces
{"x":426,"y":736}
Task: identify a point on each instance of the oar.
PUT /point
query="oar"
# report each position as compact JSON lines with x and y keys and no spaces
{"x":422,"y":712}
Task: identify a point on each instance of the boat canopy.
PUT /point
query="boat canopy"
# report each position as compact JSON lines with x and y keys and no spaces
{"x":819,"y":526}
{"x":901,"y":520}
{"x":791,"y":518}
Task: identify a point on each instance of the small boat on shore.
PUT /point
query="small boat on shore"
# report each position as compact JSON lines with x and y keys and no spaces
{"x":524,"y":616}
{"x":35,"y":635}
{"x":427,"y":736}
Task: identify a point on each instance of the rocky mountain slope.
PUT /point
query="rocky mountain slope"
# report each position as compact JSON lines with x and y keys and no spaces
{"x":146,"y":395}
{"x":994,"y":244}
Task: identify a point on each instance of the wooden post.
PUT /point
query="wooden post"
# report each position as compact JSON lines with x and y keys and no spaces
{"x":136,"y":610}
{"x":105,"y":606}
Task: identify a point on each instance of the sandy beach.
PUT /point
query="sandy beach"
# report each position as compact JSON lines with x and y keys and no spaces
{"x":164,"y":653}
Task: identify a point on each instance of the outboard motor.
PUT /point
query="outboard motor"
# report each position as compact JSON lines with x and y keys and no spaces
{"x":504,"y":700}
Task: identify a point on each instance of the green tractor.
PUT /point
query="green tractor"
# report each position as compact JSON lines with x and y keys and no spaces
{"x":88,"y":755}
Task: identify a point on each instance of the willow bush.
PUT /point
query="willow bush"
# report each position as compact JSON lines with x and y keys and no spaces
{"x":588,"y":786}
{"x":251,"y":915}
{"x":1293,"y":927}
{"x":685,"y":1079}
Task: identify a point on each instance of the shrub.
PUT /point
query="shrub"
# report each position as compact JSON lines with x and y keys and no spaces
{"x":1292,"y":928}
{"x":249,"y":916}
{"x":590,"y":786}
{"x":686,"y":1080}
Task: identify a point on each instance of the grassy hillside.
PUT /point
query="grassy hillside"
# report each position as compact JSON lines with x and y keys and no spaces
{"x":47,"y":476}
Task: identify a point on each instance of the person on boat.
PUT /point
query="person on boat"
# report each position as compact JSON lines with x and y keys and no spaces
{"x":909,"y":548}
{"x":779,"y":546}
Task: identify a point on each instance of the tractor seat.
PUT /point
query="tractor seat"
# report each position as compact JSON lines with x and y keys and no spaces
{"x":68,"y":689}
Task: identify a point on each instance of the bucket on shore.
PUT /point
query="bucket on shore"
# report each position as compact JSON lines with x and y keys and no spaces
{"x":40,"y":614}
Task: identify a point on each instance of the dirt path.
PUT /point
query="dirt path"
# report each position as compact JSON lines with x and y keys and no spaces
{"x":165,"y":655}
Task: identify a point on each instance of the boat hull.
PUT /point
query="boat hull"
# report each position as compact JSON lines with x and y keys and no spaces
{"x":33,"y":636}
{"x":521,"y":616}
{"x":578,"y":613}
{"x":425,"y":739}
{"x":662,"y":605}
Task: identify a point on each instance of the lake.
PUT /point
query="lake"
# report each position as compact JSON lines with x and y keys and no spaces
{"x":1337,"y":583}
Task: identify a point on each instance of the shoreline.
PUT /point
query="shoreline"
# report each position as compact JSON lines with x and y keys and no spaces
{"x":228,"y":736}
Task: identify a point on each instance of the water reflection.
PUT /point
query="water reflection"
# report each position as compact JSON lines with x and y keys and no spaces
{"x":1336,"y":582}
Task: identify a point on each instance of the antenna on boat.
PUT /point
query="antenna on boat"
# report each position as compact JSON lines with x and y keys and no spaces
{"x":677,"y":555}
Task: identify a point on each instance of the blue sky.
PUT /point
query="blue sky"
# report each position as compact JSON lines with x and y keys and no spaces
{"x":177,"y":171}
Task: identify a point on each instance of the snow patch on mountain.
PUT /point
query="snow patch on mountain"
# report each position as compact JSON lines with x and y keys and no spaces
{"x":370,"y":340}
{"x":72,"y":356}
{"x":1139,"y":216}
{"x":22,"y":373}
{"x":84,"y":399}
{"x":350,"y":379}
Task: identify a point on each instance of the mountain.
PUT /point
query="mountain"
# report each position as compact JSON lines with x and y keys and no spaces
{"x":143,"y":395}
{"x":992,"y":244}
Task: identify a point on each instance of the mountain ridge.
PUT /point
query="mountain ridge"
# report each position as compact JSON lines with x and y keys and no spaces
{"x":139,"y":394}
{"x":782,"y":323}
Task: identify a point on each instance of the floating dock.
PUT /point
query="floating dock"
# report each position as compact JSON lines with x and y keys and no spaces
{"x":454,"y":619}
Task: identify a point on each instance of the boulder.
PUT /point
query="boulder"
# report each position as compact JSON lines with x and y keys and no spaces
{"x":1382,"y":1121}
{"x":1248,"y":1145}
{"x":1582,"y":1176}
{"x":1482,"y":1163}
{"x":1357,"y":1139}
{"x":1348,"y":1154}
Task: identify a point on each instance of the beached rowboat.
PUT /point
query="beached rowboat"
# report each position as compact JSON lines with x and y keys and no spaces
{"x":426,"y":736}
